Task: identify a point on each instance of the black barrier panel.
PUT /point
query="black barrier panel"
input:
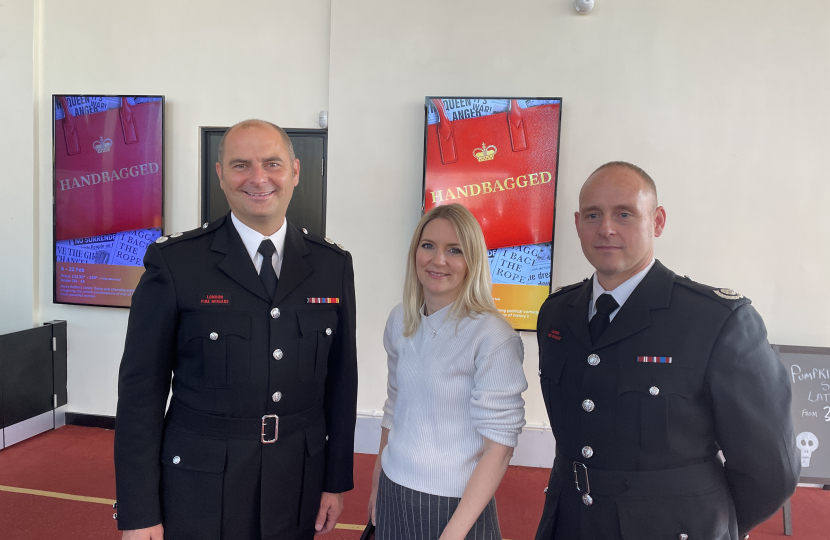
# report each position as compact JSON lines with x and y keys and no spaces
{"x":59,"y":361}
{"x":26,"y":367}
{"x":809,"y":371}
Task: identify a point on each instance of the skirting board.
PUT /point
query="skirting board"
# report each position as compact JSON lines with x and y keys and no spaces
{"x":536,"y":448}
{"x":90,"y":420}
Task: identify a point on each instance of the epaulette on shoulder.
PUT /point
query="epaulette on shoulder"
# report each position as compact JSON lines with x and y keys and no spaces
{"x":176,"y":237}
{"x":567,"y":288}
{"x":726,"y":297}
{"x":328,"y":242}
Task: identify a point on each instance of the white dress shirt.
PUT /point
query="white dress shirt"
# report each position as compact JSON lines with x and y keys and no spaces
{"x":620,"y":294}
{"x":253,"y":239}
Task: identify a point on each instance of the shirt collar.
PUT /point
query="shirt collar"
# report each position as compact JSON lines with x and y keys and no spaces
{"x":252,"y":239}
{"x":620,"y":294}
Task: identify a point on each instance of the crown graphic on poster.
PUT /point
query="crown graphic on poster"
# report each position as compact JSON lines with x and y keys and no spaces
{"x":102,"y":145}
{"x":485,"y":153}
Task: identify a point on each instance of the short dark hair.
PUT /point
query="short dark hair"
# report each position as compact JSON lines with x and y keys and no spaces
{"x":650,"y":185}
{"x":286,"y":140}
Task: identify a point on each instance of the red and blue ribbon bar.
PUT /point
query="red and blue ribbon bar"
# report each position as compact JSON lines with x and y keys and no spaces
{"x":323,"y":301}
{"x":655,"y":359}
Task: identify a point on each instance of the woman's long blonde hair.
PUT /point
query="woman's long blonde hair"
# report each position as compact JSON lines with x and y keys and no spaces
{"x":476,"y":290}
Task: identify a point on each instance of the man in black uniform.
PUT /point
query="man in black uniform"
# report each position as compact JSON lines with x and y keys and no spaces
{"x":642,"y":398}
{"x":258,"y":439}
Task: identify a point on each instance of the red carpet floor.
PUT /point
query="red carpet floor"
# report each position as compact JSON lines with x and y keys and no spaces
{"x":78,"y":462}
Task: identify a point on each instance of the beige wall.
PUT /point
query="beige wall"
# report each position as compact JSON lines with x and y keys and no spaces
{"x":216,"y":63}
{"x":724,"y":105}
{"x":18,"y":222}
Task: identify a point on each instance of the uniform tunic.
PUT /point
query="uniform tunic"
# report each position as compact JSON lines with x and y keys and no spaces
{"x":201,"y":314}
{"x":683,"y":371}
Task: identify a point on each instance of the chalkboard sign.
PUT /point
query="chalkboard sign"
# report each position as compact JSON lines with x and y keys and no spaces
{"x":809,"y":369}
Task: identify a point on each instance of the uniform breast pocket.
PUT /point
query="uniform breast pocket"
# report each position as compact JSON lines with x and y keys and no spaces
{"x":551,"y":389}
{"x":222,"y":341}
{"x":647,"y":393}
{"x":318,"y":328}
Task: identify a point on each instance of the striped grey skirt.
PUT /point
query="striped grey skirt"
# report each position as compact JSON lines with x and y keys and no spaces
{"x":406,"y":514}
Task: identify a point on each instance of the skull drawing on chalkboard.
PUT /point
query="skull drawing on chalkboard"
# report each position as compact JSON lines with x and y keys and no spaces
{"x":808,"y":443}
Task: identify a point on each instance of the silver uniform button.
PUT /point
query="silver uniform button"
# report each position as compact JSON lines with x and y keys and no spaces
{"x":593,"y":360}
{"x":205,"y":226}
{"x":276,"y":396}
{"x":115,"y":516}
{"x":115,"y":505}
{"x":176,"y":235}
{"x":305,"y":231}
{"x":278,"y":354}
{"x":176,"y":460}
{"x":587,"y":452}
{"x":587,"y":500}
{"x":214,"y":336}
{"x":653,"y":390}
{"x":545,"y":490}
{"x":161,"y":239}
{"x":275,"y":313}
{"x":328,"y":331}
{"x":588,"y":405}
{"x":540,"y":372}
{"x":329,"y":240}
{"x":685,"y":537}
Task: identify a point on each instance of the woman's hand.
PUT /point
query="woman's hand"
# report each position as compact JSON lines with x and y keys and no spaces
{"x":384,"y":435}
{"x":480,"y":489}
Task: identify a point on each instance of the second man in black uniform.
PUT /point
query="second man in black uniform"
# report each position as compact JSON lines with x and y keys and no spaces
{"x":646,"y":376}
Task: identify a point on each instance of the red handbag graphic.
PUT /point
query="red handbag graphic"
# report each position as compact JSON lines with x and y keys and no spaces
{"x":501,"y":167}
{"x":108,"y":170}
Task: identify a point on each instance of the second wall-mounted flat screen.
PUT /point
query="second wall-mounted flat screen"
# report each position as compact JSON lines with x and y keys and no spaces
{"x":499,"y":158}
{"x":108,"y":186}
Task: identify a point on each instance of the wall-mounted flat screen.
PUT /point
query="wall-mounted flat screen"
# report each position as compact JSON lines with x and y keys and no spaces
{"x":108,"y":161}
{"x":499,"y":158}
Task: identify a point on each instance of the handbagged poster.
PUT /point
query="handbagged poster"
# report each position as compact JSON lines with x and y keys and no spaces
{"x":108,"y":170}
{"x":499,"y":158}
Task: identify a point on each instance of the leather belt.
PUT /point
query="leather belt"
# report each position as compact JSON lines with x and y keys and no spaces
{"x":267,"y":429}
{"x":678,"y":480}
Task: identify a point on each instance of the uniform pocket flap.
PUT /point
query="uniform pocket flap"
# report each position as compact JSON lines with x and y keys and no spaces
{"x":317,"y":320}
{"x":192,"y":452}
{"x":315,"y":437}
{"x":205,"y":325}
{"x":656,"y":380}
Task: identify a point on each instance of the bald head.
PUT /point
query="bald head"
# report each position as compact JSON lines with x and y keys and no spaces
{"x":617,"y":222}
{"x":286,"y":140}
{"x":648,"y":183}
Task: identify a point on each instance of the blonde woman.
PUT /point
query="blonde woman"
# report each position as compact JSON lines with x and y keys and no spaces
{"x":454,"y":409}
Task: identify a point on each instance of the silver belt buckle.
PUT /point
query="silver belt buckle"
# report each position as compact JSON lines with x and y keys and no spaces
{"x":265,"y":418}
{"x":586,"y":494}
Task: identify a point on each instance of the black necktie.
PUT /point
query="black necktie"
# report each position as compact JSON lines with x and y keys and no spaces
{"x":266,"y":272}
{"x":605,"y":306}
